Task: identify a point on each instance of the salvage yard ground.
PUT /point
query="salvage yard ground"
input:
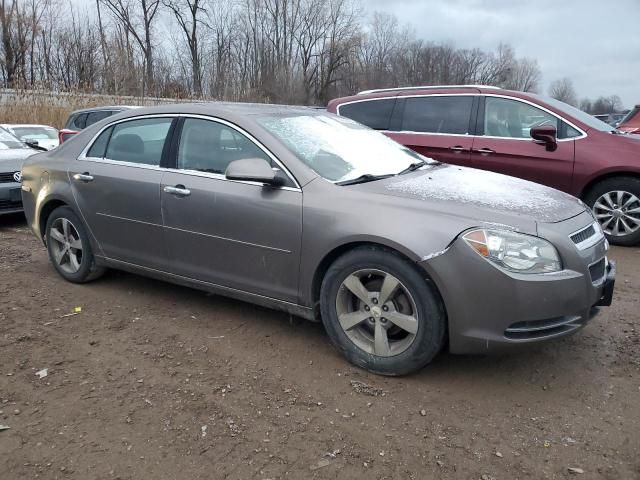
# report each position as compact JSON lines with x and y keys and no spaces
{"x":148,"y":380}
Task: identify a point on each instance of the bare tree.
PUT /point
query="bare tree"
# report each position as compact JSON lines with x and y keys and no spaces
{"x":562,"y":89}
{"x":137,"y":17}
{"x":189,"y":15}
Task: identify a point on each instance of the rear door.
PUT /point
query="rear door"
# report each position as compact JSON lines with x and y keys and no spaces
{"x":504,"y":144}
{"x":117,"y":187}
{"x":241,"y":235}
{"x":437,"y":126}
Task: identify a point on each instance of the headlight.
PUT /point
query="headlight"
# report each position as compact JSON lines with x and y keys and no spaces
{"x":514,"y":251}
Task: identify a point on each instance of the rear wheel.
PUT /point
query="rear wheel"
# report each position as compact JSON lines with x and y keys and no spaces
{"x":380,"y":312}
{"x":69,"y":248}
{"x":616,"y":205}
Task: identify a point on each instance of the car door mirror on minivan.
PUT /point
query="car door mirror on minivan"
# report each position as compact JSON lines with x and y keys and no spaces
{"x":253,"y":170}
{"x":546,"y":134}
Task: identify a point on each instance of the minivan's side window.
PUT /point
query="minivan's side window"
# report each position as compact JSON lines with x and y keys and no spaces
{"x":375,"y":114}
{"x":139,"y":141}
{"x":95,"y":117}
{"x":80,"y":121}
{"x":436,"y":114}
{"x":209,"y":146}
{"x":514,"y":119}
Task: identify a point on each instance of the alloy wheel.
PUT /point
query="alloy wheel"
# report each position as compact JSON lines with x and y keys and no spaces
{"x":66,"y":245}
{"x":618,"y":213}
{"x":377,"y":312}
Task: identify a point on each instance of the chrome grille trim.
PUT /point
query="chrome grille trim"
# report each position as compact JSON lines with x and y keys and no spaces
{"x":587,"y":236}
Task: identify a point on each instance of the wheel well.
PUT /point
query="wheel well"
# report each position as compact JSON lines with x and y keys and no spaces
{"x":602,"y":178}
{"x":333,"y":255}
{"x":46,"y":210}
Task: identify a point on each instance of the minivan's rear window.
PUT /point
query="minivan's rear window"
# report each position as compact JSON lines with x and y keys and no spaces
{"x":375,"y":114}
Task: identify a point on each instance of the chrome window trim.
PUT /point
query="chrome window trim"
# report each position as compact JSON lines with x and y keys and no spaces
{"x":582,"y":135}
{"x":592,"y":240}
{"x":83,"y":154}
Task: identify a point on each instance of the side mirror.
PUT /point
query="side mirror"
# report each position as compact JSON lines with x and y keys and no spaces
{"x":34,"y":144}
{"x":546,"y":134}
{"x":253,"y":170}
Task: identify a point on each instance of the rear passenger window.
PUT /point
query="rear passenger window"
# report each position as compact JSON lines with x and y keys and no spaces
{"x":375,"y":114}
{"x":95,"y":117}
{"x":209,"y":146}
{"x":449,"y":115}
{"x":99,"y":147}
{"x":139,"y":141}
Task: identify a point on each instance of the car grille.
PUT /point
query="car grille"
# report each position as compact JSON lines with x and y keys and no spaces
{"x":583,"y":235}
{"x":6,"y":177}
{"x":9,"y":205}
{"x":543,"y":328}
{"x":587,"y":236}
{"x":597,"y":271}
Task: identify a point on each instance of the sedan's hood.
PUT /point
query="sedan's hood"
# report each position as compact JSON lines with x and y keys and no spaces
{"x":486,"y":196}
{"x":11,"y":159}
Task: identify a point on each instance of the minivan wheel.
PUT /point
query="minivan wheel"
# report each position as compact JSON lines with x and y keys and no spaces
{"x":69,"y":248}
{"x":616,"y":205}
{"x":381,"y":312}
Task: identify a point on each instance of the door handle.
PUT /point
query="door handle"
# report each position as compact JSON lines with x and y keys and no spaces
{"x":178,"y":191}
{"x":83,"y":177}
{"x":485,"y":151}
{"x":458,"y":149}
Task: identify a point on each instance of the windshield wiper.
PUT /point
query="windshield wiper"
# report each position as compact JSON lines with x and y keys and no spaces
{"x":367,"y":177}
{"x":413,"y":167}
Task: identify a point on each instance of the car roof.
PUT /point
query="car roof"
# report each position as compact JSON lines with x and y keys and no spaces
{"x":18,"y":125}
{"x":223,"y":109}
{"x":429,"y":90}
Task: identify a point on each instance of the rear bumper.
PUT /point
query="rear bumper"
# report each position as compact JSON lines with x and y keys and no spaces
{"x":10,"y":198}
{"x":492,"y":310}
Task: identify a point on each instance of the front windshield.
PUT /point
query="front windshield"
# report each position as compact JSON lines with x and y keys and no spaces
{"x":8,"y":141}
{"x":576,"y":113}
{"x":35,"y":133}
{"x":339,"y":149}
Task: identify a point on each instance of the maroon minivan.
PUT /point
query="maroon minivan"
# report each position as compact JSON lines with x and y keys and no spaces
{"x":520,"y":134}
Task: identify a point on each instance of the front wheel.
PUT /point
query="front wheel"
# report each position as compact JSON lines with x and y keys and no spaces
{"x":616,"y":205}
{"x":381,"y":312}
{"x":69,"y":248}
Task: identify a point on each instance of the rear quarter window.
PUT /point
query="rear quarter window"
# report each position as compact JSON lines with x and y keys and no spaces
{"x":375,"y":114}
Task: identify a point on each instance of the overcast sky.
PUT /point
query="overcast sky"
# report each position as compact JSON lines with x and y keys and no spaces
{"x":594,"y":42}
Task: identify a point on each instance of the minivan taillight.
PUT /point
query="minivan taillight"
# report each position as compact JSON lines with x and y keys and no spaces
{"x":65,"y":134}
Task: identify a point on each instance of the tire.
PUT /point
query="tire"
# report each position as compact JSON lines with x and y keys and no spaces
{"x":407,"y":350}
{"x":597,"y":200}
{"x":81,"y":270}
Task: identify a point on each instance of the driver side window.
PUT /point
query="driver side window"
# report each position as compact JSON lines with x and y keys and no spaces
{"x":209,"y":146}
{"x":513,"y":119}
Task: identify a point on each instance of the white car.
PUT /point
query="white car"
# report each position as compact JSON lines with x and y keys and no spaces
{"x":40,"y":135}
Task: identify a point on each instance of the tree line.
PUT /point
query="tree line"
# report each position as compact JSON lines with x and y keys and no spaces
{"x":289,"y":51}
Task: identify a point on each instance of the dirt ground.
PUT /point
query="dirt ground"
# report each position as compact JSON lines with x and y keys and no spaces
{"x":154,"y":381}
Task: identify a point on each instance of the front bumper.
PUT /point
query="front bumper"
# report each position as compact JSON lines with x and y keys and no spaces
{"x":490,"y":309}
{"x":10,"y":198}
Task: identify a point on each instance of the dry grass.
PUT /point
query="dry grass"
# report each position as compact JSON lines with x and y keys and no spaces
{"x":49,"y":108}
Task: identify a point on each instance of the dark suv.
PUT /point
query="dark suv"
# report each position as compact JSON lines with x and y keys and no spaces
{"x":81,"y":119}
{"x":520,"y":134}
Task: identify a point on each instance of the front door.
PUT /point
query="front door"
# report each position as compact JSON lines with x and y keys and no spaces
{"x":117,"y":188}
{"x":240,"y":235}
{"x":505,"y":145}
{"x":437,"y":126}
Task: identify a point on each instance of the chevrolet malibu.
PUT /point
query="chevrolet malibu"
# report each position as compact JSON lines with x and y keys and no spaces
{"x":307,"y":212}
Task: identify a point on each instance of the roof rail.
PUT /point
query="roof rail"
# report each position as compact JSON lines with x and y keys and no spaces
{"x":424,"y":87}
